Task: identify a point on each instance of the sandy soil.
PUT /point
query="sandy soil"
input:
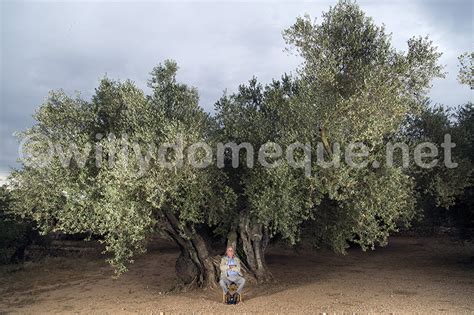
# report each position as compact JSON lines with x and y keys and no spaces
{"x":410,"y":275}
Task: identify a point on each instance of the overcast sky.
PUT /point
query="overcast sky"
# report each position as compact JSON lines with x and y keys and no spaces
{"x":70,"y":45}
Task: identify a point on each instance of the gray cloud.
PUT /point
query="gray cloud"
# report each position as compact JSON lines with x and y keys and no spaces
{"x":51,"y":45}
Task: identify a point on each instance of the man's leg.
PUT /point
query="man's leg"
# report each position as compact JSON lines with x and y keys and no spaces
{"x":240,"y":281}
{"x":224,"y":283}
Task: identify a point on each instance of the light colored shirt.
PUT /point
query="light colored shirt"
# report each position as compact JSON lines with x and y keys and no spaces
{"x":231,"y":272}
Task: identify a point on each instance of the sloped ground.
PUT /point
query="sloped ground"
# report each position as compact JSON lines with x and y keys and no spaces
{"x":425,"y":275}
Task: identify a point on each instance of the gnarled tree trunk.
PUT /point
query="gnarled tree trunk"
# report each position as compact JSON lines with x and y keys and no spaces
{"x":195,"y":265}
{"x":254,"y":238}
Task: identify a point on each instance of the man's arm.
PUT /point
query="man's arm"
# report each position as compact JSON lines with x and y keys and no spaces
{"x":237,"y":266}
{"x":223,"y":266}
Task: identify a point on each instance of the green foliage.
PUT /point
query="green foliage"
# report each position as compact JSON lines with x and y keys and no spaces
{"x":15,"y":235}
{"x":466,"y":69}
{"x":352,"y":87}
{"x":439,"y":186}
{"x":120,"y":198}
{"x":443,"y":194}
{"x":355,"y":87}
{"x":463,"y":211}
{"x":357,"y":84}
{"x":275,"y":197}
{"x":11,"y":233}
{"x":464,"y":131}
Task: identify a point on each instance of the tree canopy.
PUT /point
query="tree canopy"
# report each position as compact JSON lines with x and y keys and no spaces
{"x":115,"y":180}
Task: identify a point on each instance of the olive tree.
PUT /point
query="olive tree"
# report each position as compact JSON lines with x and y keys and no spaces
{"x":466,"y":69}
{"x":108,"y":177}
{"x":353,"y":87}
{"x":271,"y":197}
{"x":443,"y":193}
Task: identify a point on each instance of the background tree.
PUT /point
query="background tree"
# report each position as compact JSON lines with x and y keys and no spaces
{"x":466,"y":69}
{"x":355,"y":87}
{"x":463,"y":209}
{"x":444,"y":195}
{"x":16,"y":235}
{"x":464,"y":132}
{"x":439,"y":186}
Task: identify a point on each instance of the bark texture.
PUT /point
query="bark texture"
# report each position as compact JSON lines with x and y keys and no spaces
{"x":254,"y":238}
{"x":195,"y":266}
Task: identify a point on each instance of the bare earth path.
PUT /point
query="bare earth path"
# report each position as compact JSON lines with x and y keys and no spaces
{"x":410,"y":275}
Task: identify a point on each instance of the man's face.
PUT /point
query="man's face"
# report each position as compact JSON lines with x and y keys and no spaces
{"x":230,"y":252}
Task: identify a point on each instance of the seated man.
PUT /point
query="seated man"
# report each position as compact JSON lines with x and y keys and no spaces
{"x":230,"y":271}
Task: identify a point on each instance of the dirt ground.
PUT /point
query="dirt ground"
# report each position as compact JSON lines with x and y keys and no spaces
{"x":428,"y":275}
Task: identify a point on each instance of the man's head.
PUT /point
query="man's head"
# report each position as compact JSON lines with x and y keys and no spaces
{"x":229,"y":252}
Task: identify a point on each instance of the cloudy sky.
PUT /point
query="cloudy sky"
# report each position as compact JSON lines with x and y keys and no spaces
{"x":47,"y":45}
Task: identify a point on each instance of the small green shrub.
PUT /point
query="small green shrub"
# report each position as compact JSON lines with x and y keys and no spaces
{"x":15,"y":234}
